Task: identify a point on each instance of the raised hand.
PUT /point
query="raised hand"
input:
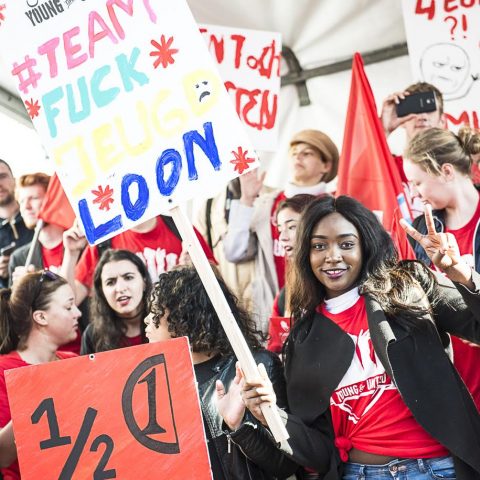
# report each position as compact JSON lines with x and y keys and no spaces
{"x":441,"y":248}
{"x":390,"y":120}
{"x":74,"y":239}
{"x":251,"y":184}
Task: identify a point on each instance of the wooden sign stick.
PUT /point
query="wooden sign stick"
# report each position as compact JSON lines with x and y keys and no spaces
{"x":225,"y":315}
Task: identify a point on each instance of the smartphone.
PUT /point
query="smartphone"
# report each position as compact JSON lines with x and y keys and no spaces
{"x":8,"y":250}
{"x":417,"y":103}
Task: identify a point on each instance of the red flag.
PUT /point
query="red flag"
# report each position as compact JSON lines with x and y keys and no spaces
{"x":56,"y":208}
{"x":367,"y":170}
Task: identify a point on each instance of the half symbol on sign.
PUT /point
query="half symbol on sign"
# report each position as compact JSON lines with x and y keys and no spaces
{"x":158,"y":432}
{"x":56,"y":440}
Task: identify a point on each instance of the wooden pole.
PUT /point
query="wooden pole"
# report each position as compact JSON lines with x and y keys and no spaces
{"x":234,"y":334}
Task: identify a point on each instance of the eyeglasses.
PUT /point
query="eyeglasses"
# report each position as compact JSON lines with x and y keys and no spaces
{"x":47,"y":275}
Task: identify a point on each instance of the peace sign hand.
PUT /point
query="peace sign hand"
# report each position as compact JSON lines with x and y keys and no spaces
{"x":441,"y":248}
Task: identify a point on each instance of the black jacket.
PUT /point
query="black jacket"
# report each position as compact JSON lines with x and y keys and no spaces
{"x":250,"y":452}
{"x":416,"y":361}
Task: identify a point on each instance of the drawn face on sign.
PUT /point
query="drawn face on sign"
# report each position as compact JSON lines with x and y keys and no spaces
{"x":447,"y":66}
{"x":201,"y":89}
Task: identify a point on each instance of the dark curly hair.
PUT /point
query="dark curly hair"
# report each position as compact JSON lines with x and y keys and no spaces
{"x":108,"y":329}
{"x":181,"y":294}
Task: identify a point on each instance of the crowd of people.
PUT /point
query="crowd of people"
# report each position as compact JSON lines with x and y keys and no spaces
{"x":371,"y":361}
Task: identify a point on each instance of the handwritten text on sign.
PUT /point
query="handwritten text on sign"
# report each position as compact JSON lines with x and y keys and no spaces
{"x":249,"y":63}
{"x":137,"y":120}
{"x":130,"y":413}
{"x":444,"y":47}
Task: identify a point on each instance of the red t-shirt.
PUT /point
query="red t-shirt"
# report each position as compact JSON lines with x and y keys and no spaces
{"x":466,"y":356}
{"x":278,"y":329}
{"x":7,"y":362}
{"x":159,"y":249}
{"x":278,"y":251}
{"x":367,"y":410}
{"x":52,"y":258}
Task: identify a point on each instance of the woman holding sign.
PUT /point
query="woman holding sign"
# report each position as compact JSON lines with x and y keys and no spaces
{"x":121,"y":285}
{"x":37,"y":316}
{"x":367,"y":362}
{"x":180,"y":306}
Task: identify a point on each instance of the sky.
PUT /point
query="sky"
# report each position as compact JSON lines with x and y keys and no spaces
{"x":21,"y":147}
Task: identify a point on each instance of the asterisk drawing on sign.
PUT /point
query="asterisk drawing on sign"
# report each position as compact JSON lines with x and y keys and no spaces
{"x":103,"y":197}
{"x":163,"y":52}
{"x":32,"y":108}
{"x":2,"y":15}
{"x":241,"y":161}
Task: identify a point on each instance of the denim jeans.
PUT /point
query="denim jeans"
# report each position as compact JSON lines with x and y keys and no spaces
{"x":418,"y":469}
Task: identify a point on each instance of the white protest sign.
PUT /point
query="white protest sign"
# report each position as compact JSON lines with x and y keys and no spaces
{"x":249,"y":63}
{"x":129,"y":103}
{"x":444,"y":47}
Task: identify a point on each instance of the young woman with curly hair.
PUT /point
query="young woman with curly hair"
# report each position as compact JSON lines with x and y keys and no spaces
{"x":121,"y":285}
{"x":372,"y":391}
{"x":180,"y":306}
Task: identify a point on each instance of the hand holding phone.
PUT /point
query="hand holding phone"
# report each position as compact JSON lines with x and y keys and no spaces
{"x":417,"y":103}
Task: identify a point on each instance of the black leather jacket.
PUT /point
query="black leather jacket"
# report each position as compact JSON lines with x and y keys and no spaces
{"x":249,"y":452}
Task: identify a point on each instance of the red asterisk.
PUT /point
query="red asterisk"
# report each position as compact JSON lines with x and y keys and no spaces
{"x":32,"y":108}
{"x":2,"y":15}
{"x":241,"y":161}
{"x":104,"y":197}
{"x":164,"y":52}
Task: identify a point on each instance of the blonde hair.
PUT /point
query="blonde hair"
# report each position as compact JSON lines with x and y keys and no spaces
{"x":435,"y":147}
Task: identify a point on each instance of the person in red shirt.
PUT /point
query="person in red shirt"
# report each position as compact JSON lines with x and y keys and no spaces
{"x":121,"y":285}
{"x":438,"y":165}
{"x":48,"y":250}
{"x":37,"y":316}
{"x":156,"y":242}
{"x":372,"y":392}
{"x":411,"y":124}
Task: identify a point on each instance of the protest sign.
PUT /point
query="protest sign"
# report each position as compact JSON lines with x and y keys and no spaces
{"x":249,"y":64}
{"x":128,"y":102}
{"x":444,"y":47}
{"x":130,"y":413}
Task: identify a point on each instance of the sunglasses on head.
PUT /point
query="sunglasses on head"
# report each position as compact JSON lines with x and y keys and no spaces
{"x":47,"y":275}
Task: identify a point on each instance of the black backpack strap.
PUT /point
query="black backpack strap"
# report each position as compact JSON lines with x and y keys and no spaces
{"x":171,"y":226}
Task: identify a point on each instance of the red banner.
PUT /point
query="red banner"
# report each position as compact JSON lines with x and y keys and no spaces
{"x":56,"y":208}
{"x":367,"y":170}
{"x":131,"y":413}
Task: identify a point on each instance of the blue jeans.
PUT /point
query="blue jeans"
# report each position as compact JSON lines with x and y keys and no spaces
{"x":418,"y":469}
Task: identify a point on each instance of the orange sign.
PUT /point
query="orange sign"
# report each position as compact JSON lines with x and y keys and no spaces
{"x":131,"y":413}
